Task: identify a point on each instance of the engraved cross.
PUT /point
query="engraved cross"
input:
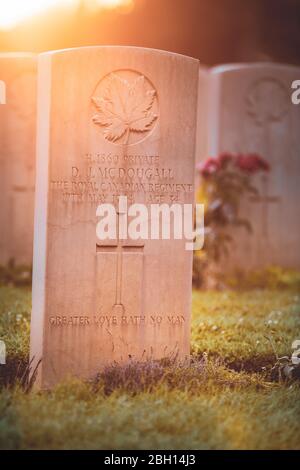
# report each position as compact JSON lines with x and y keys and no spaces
{"x":119,"y":246}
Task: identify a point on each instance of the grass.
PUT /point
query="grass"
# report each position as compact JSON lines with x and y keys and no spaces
{"x":242,"y":326}
{"x":227,"y":398}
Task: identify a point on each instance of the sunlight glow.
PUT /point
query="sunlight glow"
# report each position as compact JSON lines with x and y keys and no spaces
{"x":13,"y":12}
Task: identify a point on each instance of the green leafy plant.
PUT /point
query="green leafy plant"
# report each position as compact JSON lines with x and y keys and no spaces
{"x":15,"y":275}
{"x":225,"y":181}
{"x":271,"y":277}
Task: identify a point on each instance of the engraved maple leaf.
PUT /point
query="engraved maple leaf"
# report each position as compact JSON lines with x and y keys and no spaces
{"x":124,"y":107}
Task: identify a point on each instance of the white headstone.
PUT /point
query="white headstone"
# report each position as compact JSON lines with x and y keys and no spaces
{"x":17,"y":155}
{"x":112,"y":121}
{"x":202,"y":121}
{"x":2,"y":92}
{"x":251,"y":110}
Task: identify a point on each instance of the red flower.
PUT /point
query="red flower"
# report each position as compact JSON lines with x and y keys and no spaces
{"x":209,"y":167}
{"x":252,"y":163}
{"x":225,"y":158}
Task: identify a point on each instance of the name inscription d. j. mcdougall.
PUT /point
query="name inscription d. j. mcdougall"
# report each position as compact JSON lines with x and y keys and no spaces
{"x":101,"y":178}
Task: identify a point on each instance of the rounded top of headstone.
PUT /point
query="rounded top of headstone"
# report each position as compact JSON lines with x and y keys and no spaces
{"x":252,"y":65}
{"x":113,"y":48}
